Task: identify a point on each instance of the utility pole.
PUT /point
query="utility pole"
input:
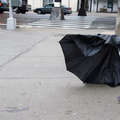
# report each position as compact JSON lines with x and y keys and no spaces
{"x":11,"y":22}
{"x":82,"y":10}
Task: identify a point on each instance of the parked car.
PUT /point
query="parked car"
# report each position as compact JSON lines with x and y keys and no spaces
{"x":23,"y":8}
{"x":47,"y":9}
{"x":4,"y":6}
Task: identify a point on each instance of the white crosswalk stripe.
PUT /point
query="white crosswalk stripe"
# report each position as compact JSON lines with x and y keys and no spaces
{"x":65,"y":24}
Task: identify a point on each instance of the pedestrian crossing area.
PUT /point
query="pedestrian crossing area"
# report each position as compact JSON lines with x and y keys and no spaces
{"x":79,"y":23}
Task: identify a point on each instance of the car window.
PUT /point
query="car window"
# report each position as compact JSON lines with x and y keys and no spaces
{"x":49,"y":6}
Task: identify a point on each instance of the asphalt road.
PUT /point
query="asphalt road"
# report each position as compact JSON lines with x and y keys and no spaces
{"x":22,"y":18}
{"x":107,"y":23}
{"x":91,"y":21}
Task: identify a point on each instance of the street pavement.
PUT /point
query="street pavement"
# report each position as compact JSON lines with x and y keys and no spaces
{"x":70,"y":22}
{"x":91,"y":21}
{"x":35,"y":84}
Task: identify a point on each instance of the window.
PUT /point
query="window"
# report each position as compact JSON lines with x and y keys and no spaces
{"x":47,"y":1}
{"x":110,"y":3}
{"x":49,"y":6}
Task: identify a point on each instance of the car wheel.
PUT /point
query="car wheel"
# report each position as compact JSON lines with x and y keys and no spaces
{"x":39,"y":12}
{"x":1,"y":11}
{"x":17,"y":11}
{"x":23,"y":12}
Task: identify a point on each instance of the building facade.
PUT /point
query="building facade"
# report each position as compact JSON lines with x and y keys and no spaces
{"x":92,"y":5}
{"x":103,"y":5}
{"x":40,"y":3}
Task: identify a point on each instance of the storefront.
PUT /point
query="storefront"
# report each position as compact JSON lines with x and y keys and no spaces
{"x":103,"y":5}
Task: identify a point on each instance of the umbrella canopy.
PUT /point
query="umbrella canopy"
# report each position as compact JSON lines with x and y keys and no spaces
{"x":93,"y":58}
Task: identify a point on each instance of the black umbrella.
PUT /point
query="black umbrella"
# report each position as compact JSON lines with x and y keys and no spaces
{"x":93,"y":58}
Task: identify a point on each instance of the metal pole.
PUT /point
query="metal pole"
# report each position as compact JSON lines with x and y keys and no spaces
{"x":11,"y":22}
{"x":10,"y":10}
{"x":97,"y":5}
{"x":78,"y":2}
{"x":90,"y":5}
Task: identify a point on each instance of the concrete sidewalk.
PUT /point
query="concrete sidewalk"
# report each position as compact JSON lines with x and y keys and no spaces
{"x":35,"y":84}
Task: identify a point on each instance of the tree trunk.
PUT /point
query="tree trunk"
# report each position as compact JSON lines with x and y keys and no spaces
{"x":82,"y":10}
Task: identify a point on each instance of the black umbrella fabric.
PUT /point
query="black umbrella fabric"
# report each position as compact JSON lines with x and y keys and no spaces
{"x":93,"y":58}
